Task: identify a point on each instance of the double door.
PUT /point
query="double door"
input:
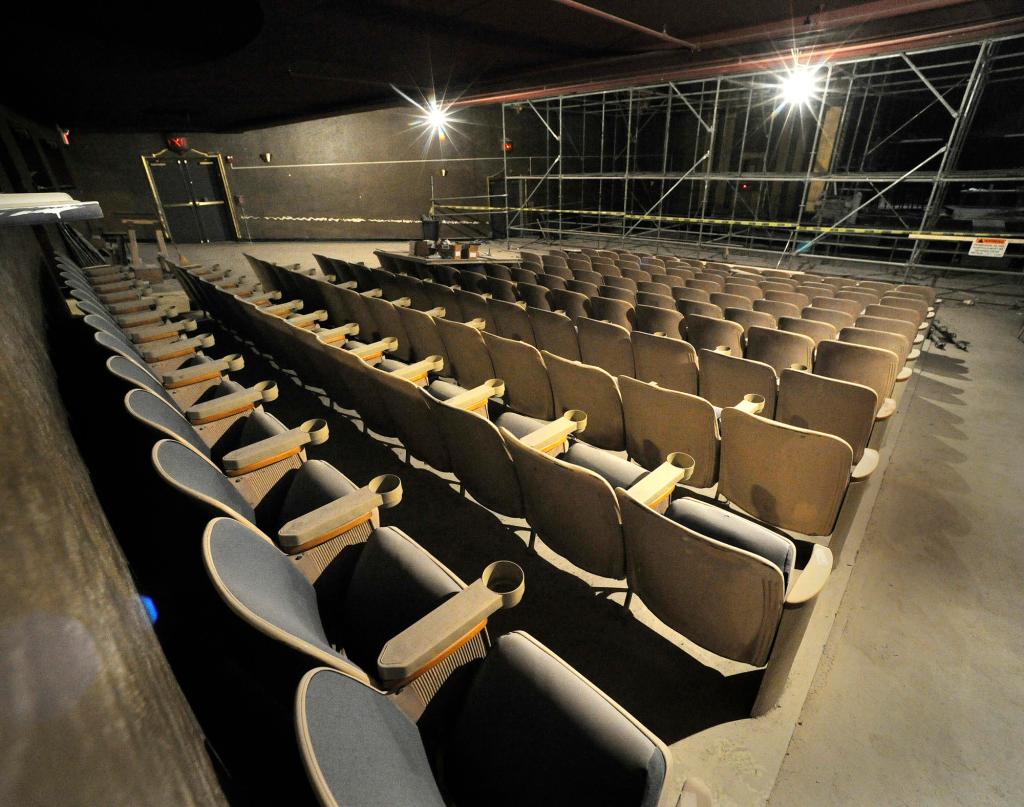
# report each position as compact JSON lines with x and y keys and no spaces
{"x":192,"y":196}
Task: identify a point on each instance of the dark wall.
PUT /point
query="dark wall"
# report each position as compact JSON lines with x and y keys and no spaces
{"x":90,"y":712}
{"x":359,"y":176}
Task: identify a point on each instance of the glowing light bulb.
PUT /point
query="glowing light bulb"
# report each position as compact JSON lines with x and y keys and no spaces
{"x":799,"y":86}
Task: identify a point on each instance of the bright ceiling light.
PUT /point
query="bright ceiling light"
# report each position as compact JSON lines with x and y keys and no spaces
{"x":436,"y":116}
{"x":799,"y":86}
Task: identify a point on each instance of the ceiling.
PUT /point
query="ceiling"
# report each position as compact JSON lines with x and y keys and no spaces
{"x":247,"y":63}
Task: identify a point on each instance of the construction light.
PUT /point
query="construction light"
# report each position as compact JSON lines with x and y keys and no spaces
{"x":799,"y":86}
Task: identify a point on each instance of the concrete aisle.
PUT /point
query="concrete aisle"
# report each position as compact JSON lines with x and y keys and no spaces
{"x":919,"y":698}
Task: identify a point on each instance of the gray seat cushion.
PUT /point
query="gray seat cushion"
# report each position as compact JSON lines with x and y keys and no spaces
{"x":619,"y":472}
{"x":443,"y":390}
{"x":531,"y":732}
{"x":368,"y":752}
{"x":518,"y":425}
{"x":202,"y":480}
{"x":734,"y":530}
{"x":267,"y":583}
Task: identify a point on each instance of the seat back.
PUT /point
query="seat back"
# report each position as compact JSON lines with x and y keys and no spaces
{"x":581,"y":386}
{"x":723,"y":301}
{"x":816,"y":331}
{"x":160,"y":416}
{"x":791,"y":297}
{"x":618,"y":312}
{"x":693,"y":295}
{"x":604,"y":755}
{"x":887,"y":341}
{"x":837,"y":319}
{"x":851,"y":307}
{"x":413,"y":419}
{"x":520,"y":366}
{"x":510,"y":321}
{"x":572,"y":508}
{"x":892,"y":312}
{"x":474,"y":306}
{"x":897,"y":326}
{"x":724,"y":380}
{"x":390,"y":324}
{"x":725,"y":599}
{"x":555,"y":333}
{"x":827,"y":405}
{"x":707,"y":333}
{"x":574,"y":304}
{"x":660,"y":421}
{"x":470,"y":361}
{"x":500,"y":289}
{"x":780,"y":349}
{"x":668,"y":362}
{"x":479,"y":457}
{"x":424,"y":337}
{"x":742,"y":288}
{"x":789,"y":477}
{"x":606,"y":345}
{"x":749,"y":319}
{"x":654,"y":319}
{"x":535,"y":296}
{"x":777,"y":308}
{"x":859,"y":364}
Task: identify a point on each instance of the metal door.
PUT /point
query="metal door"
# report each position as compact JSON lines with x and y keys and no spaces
{"x":192,"y":196}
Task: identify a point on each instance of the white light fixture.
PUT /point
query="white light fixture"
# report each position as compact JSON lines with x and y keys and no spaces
{"x":799,"y":86}
{"x":436,"y":117}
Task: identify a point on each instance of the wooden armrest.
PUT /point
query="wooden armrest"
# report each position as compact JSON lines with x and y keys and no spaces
{"x":372,"y":293}
{"x":477,"y":398}
{"x":204,"y":371}
{"x":262,"y":298}
{"x":233,"y":404}
{"x":165,"y":330}
{"x":273,"y":449}
{"x":283,"y":309}
{"x":809,"y":581}
{"x":659,"y":484}
{"x":347,"y":284}
{"x":402,"y":302}
{"x":119,"y":296}
{"x":307,"y":320}
{"x":554,"y":434}
{"x":437,"y":311}
{"x":419,"y":370}
{"x":179,"y":347}
{"x":341,"y":515}
{"x":330,"y":336}
{"x":752,"y":404}
{"x":478,"y":323}
{"x":451,"y":625}
{"x":374,"y":350}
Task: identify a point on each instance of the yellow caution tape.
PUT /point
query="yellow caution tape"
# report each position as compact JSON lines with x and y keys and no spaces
{"x":788,"y":225}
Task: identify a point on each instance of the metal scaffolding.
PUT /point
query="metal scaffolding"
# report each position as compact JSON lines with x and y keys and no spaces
{"x":898,"y":160}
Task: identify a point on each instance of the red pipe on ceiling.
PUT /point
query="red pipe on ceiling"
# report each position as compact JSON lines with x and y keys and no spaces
{"x":753,"y":64}
{"x":635,"y":26}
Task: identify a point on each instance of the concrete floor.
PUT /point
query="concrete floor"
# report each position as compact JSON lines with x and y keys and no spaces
{"x":919,"y":697}
{"x":908,"y":687}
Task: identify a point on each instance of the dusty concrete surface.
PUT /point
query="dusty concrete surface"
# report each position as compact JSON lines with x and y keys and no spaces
{"x":920,"y":695}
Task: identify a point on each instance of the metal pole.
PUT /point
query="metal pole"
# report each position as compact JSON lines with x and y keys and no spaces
{"x":560,"y":182}
{"x":600,"y":170}
{"x":962,"y":122}
{"x":711,"y":150}
{"x":625,"y":181}
{"x":664,"y":158}
{"x":739,"y":168}
{"x":504,"y":170}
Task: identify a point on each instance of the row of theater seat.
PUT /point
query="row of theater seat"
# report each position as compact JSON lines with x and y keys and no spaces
{"x":576,"y":494}
{"x":841,"y":402}
{"x":296,"y":551}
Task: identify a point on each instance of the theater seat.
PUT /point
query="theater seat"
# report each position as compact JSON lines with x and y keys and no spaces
{"x":559,"y":740}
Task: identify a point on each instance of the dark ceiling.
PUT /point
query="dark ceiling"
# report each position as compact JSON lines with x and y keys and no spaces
{"x":244,"y":63}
